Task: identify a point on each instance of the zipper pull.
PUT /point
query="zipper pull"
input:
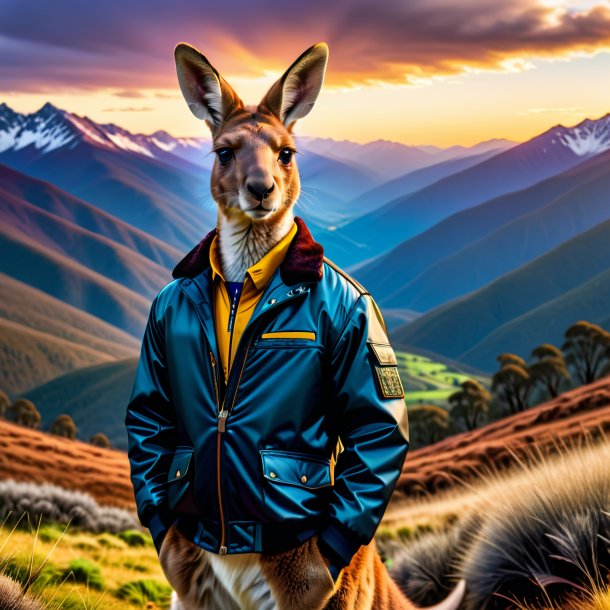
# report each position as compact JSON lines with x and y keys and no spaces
{"x":212,"y":358}
{"x":222,"y":420}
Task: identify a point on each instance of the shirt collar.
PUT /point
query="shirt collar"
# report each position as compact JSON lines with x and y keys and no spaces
{"x":261,"y":272}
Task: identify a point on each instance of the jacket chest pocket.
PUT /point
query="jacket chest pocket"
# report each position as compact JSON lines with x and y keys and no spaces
{"x":286,"y":339}
{"x":295,"y":485}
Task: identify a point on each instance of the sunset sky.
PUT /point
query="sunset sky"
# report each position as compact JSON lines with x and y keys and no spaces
{"x":437,"y":72}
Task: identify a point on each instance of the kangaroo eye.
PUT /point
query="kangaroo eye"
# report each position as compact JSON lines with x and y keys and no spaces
{"x":224,"y":155}
{"x":286,"y":156}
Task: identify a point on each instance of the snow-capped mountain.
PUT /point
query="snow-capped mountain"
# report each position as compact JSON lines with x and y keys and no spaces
{"x":51,"y":128}
{"x":588,"y":137}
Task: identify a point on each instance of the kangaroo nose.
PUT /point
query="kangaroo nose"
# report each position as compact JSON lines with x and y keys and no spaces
{"x":259,"y":190}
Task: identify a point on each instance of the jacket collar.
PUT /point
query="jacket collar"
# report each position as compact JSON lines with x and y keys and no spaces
{"x":303,"y":261}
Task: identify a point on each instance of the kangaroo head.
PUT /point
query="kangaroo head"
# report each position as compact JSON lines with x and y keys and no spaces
{"x":255,"y":179}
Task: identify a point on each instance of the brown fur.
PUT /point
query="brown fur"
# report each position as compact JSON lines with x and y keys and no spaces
{"x":296,"y":579}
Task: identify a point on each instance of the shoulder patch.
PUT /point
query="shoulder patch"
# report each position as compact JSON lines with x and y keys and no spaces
{"x":359,"y":287}
{"x":389,"y":382}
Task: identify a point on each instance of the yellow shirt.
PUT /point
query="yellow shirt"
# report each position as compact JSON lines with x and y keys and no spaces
{"x":256,"y":279}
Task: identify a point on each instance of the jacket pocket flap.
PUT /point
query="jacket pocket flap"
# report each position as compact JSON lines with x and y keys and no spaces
{"x":289,"y":334}
{"x":383,"y":352}
{"x":180,"y":463}
{"x":295,"y":468}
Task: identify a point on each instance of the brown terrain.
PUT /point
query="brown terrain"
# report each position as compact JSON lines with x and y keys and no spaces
{"x":30,"y":455}
{"x":39,"y":457}
{"x":572,"y":417}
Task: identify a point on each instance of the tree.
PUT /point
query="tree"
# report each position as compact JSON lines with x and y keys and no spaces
{"x":550,"y":369}
{"x":587,"y":349}
{"x":470,"y":404}
{"x":100,"y":440}
{"x":24,"y":412}
{"x":512,"y":383}
{"x":427,"y":424}
{"x":64,"y":426}
{"x":4,"y":403}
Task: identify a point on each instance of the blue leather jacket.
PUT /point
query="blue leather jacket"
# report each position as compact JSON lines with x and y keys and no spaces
{"x":310,"y":434}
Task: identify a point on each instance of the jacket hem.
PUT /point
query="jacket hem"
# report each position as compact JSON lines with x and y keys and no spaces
{"x":248,"y":536}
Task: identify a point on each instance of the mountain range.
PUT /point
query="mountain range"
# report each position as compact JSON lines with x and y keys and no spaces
{"x":458,"y":246}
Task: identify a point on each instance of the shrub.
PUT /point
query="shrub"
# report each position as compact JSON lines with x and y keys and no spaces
{"x":143,"y":591}
{"x":85,"y":571}
{"x":135,"y":538}
{"x":60,"y":505}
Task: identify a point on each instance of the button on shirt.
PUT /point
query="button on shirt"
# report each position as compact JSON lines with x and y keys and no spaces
{"x":234,"y":301}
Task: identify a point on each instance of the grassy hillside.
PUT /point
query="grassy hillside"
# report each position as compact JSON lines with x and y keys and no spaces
{"x":120,"y":576}
{"x":530,"y":538}
{"x":29,"y":357}
{"x":95,"y":397}
{"x":549,"y":320}
{"x":426,"y":380}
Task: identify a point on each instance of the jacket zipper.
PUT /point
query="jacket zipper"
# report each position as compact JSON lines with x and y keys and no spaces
{"x":223,"y":414}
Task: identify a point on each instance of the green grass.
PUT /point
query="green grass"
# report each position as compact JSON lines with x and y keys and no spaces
{"x":426,"y":381}
{"x":83,"y":571}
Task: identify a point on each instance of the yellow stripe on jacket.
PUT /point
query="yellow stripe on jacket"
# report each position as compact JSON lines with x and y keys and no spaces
{"x":256,"y":279}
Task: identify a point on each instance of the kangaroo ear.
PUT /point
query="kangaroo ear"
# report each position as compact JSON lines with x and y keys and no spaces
{"x":207,"y":94}
{"x":294,"y":94}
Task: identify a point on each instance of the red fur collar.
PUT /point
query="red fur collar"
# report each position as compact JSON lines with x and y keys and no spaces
{"x":302,"y":263}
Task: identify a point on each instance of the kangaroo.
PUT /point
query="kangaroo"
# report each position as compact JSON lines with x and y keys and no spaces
{"x":255,"y":184}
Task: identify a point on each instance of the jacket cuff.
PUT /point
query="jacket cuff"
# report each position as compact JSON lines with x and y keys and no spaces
{"x":158,"y":525}
{"x":339,"y":545}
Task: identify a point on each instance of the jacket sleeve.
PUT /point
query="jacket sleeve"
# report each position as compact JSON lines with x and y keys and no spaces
{"x":367,"y":398}
{"x":151,"y":430}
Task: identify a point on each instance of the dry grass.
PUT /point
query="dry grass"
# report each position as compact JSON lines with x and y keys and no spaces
{"x":53,"y":569}
{"x":537,"y":534}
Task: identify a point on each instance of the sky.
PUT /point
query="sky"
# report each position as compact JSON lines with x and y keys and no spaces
{"x":419,"y":72}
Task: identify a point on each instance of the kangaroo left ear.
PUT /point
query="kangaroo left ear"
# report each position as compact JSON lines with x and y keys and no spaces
{"x":294,"y":94}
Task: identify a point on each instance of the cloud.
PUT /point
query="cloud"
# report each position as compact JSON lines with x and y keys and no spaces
{"x":129,"y":45}
{"x":129,"y":109}
{"x":128,"y":93}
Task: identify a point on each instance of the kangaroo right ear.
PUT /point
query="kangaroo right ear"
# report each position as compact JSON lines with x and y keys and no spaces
{"x":207,"y":94}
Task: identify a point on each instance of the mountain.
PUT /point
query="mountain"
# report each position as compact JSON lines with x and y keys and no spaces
{"x":51,"y":199}
{"x":474,"y":246}
{"x":51,"y":128}
{"x":547,"y":322}
{"x":110,"y":259}
{"x":76,"y":154}
{"x":413,"y":181}
{"x":42,"y":338}
{"x":65,"y":278}
{"x":578,"y":208}
{"x":454,"y":328}
{"x":392,"y":159}
{"x":548,"y":154}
